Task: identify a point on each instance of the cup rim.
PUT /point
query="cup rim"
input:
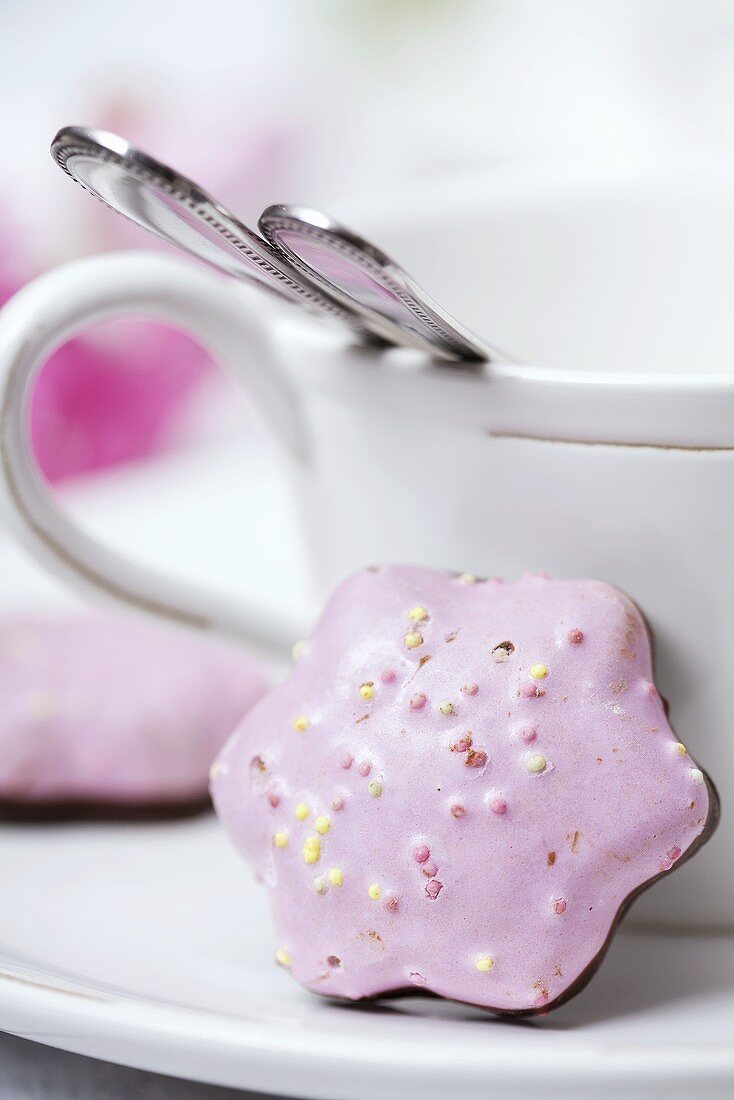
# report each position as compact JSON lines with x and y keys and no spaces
{"x":543,"y":183}
{"x":687,"y":410}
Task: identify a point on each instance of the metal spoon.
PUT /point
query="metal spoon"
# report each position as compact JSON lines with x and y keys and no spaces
{"x":360,"y":275}
{"x":178,"y":211}
{"x":309,"y":260}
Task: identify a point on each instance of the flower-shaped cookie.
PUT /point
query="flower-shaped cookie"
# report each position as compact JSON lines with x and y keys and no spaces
{"x":460,"y":786}
{"x":106,"y":717}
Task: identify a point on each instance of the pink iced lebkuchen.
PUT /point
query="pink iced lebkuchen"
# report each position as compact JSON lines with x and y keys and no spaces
{"x":97,"y":710}
{"x":460,"y":786}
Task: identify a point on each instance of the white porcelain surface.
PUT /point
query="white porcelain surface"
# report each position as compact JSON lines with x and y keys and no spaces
{"x":612,"y":458}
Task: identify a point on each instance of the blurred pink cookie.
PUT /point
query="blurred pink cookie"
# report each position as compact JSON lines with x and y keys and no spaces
{"x":103,"y":717}
{"x":460,"y":788}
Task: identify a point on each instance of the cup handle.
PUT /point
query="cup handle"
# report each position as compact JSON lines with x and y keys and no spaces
{"x":56,"y":307}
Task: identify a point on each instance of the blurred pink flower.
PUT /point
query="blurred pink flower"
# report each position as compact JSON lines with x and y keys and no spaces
{"x":108,"y":397}
{"x":102,"y":402}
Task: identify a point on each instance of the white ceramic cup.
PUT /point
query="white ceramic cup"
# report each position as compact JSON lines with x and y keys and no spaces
{"x":613,"y":458}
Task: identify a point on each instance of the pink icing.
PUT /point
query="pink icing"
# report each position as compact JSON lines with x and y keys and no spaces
{"x":117,"y":709}
{"x":507,"y":904}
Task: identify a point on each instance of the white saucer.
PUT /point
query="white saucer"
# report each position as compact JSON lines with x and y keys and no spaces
{"x":150,"y":945}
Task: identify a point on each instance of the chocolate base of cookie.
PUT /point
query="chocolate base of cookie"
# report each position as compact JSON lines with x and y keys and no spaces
{"x":589,"y":970}
{"x":66,"y":810}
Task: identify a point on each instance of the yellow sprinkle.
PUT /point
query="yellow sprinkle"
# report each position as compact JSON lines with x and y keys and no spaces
{"x":312,"y":850}
{"x":417,"y":614}
{"x":18,"y":643}
{"x":298,"y":650}
{"x":42,"y":706}
{"x":322,"y":825}
{"x":301,"y":723}
{"x":681,"y":749}
{"x":367,"y":690}
{"x":446,"y":707}
{"x":320,"y":885}
{"x":413,"y":639}
{"x":374,"y":892}
{"x":538,"y":672}
{"x":484,"y":963}
{"x":467,"y":578}
{"x":280,"y":839}
{"x":336,"y":878}
{"x":301,"y":811}
{"x":282,"y":957}
{"x":536,"y":763}
{"x":374,"y":788}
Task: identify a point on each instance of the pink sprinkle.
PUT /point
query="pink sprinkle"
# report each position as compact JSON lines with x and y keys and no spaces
{"x":528,"y":735}
{"x":387,"y":676}
{"x":434,"y":888}
{"x":674,"y":852}
{"x":418,"y":701}
{"x":469,"y":689}
{"x":421,"y":853}
{"x":457,"y":810}
{"x":364,"y":768}
{"x":575,"y":636}
{"x":541,"y":999}
{"x":559,"y":906}
{"x":337,"y":802}
{"x":274,"y":798}
{"x":463,"y":744}
{"x":430,"y":869}
{"x":347,"y":760}
{"x":391,"y":903}
{"x":498,"y":806}
{"x":531,"y":691}
{"x":666,"y":865}
{"x":415,"y":978}
{"x":650,"y":688}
